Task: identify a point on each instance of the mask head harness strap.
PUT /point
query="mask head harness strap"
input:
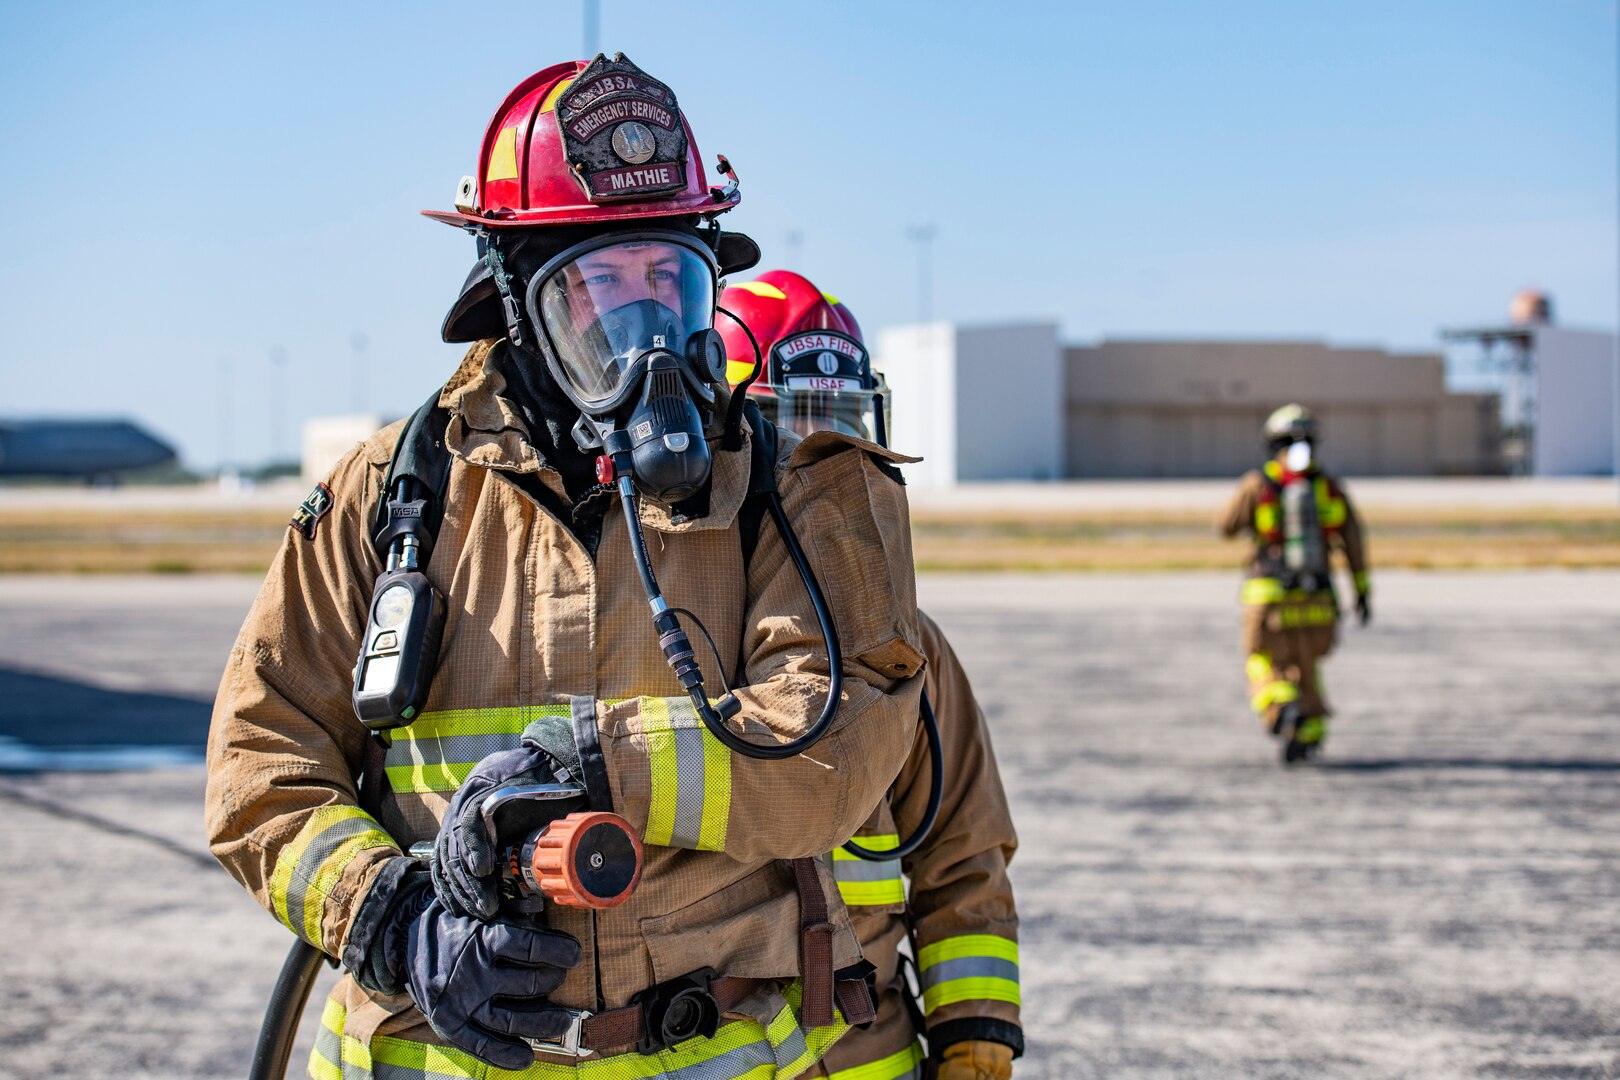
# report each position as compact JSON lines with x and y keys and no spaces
{"x":511,"y":306}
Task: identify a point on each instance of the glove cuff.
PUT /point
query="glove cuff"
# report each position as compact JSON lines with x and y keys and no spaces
{"x":374,"y":953}
{"x":974,"y":1028}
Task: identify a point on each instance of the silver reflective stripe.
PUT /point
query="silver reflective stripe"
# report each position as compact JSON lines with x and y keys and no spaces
{"x":726,"y":1066}
{"x":970,"y":967}
{"x":309,"y":863}
{"x":688,"y":830}
{"x":865,"y":870}
{"x":452,"y":748}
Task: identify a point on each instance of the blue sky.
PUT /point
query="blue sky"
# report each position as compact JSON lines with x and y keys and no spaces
{"x":194,"y":188}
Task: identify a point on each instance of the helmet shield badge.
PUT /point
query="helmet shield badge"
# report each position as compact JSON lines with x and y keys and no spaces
{"x":621,"y":131}
{"x":823,"y":381}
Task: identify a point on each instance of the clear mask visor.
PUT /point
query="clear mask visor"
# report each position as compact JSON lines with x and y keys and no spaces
{"x":609,"y":305}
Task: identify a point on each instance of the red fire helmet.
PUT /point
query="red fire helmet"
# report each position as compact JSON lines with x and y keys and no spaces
{"x":817,"y":375}
{"x":587,"y":143}
{"x":776,"y":305}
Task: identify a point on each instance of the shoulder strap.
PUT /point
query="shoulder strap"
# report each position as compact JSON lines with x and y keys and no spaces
{"x":761,"y":481}
{"x":421,"y":458}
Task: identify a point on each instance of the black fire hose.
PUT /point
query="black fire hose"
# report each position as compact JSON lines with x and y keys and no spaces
{"x":678,"y":649}
{"x":286,"y":1008}
{"x":936,"y":789}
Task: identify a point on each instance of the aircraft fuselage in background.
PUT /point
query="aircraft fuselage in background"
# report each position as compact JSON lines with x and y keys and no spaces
{"x":84,"y":449}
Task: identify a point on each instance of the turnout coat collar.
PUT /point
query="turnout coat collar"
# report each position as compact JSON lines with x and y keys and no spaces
{"x":487,"y":429}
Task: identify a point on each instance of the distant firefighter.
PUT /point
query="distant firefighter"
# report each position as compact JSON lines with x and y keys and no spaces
{"x":1296,"y":514}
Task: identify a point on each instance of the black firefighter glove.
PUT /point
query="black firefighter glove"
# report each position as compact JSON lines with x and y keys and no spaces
{"x":465,"y":864}
{"x":1364,"y":607}
{"x":481,"y":985}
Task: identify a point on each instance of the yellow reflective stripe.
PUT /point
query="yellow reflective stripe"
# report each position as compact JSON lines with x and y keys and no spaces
{"x":738,"y":370}
{"x":716,"y":793}
{"x":873,"y":893}
{"x":971,"y":967}
{"x":966,"y":945}
{"x":503,"y":156}
{"x":897,"y":1066}
{"x":1330,"y":512}
{"x":689,"y":804}
{"x":549,"y":104}
{"x":438,"y":750}
{"x":972,"y":989}
{"x":739,"y":1050}
{"x":1258,"y":667}
{"x":1280,"y":692}
{"x":1363,"y":581}
{"x":1262,"y":590}
{"x":869,"y":882}
{"x":1297,"y":615}
{"x":661,"y":761}
{"x":1265,"y":517}
{"x":1273,"y":469}
{"x":337,"y":1056}
{"x":762,"y":288}
{"x":308,"y":868}
{"x":871,"y":842}
{"x":815,"y":1041}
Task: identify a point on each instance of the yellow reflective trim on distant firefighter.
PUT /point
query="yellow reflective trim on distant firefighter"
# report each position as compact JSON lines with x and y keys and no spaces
{"x":1262,"y":590}
{"x":1280,"y":692}
{"x":1258,"y":666}
{"x":1265,"y":518}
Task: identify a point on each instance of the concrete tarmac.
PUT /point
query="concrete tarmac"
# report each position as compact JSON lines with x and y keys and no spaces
{"x":1437,"y":899}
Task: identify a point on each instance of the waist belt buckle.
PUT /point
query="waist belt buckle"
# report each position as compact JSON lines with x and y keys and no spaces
{"x":568,"y":1043}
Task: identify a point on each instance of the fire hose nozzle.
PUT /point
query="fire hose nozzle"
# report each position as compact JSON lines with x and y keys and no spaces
{"x":591,"y":859}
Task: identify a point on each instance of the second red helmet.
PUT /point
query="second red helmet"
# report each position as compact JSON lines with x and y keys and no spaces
{"x":817,"y":374}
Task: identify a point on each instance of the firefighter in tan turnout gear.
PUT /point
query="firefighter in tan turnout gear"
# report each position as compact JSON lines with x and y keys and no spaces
{"x":960,"y":920}
{"x":514,"y":570}
{"x":1297,"y":514}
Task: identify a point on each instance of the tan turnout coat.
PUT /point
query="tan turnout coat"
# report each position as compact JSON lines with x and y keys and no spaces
{"x":536,"y":624}
{"x":959,"y":912}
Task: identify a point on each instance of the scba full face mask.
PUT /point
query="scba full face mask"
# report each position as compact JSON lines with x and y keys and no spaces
{"x":626,"y":323}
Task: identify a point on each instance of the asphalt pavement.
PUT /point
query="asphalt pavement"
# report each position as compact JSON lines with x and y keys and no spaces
{"x":1436,"y":899}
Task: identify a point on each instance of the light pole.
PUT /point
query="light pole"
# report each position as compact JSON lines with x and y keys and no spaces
{"x":225,"y":419}
{"x":278,"y":403}
{"x":359,"y":343}
{"x":592,"y":11}
{"x":923,"y":237}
